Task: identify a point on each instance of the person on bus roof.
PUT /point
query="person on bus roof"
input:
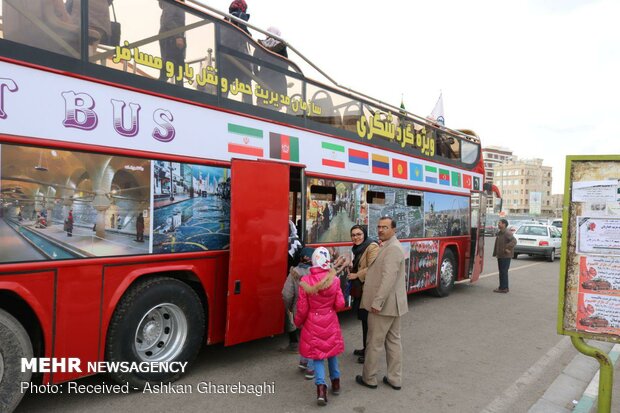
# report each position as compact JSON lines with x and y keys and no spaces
{"x":98,"y":17}
{"x":275,"y":45}
{"x":236,"y":70}
{"x":269,"y":78}
{"x":172,"y":47}
{"x":238,"y":9}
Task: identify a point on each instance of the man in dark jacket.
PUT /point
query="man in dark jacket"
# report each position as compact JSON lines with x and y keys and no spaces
{"x":503,"y":250}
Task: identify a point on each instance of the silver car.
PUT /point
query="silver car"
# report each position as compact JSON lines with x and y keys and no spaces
{"x":540,"y":240}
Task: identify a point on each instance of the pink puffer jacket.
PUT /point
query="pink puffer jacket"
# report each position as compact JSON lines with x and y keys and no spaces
{"x":316,"y":315}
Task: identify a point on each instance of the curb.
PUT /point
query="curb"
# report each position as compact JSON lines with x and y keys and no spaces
{"x":590,"y":396}
{"x":570,"y":385}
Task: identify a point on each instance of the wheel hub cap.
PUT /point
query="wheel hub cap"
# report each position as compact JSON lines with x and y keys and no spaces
{"x":161,"y":333}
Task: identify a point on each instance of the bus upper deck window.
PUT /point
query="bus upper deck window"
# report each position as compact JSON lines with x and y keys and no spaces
{"x":469,"y":152}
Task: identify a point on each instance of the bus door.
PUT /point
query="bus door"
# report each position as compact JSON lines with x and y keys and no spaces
{"x":478,"y":218}
{"x":258,"y":249}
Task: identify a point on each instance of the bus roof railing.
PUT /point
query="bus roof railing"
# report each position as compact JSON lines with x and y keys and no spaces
{"x":203,"y":5}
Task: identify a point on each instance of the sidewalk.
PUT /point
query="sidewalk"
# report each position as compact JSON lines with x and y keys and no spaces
{"x":576,"y":388}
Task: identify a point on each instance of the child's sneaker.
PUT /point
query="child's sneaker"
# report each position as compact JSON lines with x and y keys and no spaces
{"x":309,"y":374}
{"x":303,"y":364}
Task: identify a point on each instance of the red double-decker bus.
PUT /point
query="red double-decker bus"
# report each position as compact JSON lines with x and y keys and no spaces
{"x":148,"y":183}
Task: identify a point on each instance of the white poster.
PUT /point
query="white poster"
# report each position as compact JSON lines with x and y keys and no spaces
{"x":598,"y":235}
{"x":595,"y":191}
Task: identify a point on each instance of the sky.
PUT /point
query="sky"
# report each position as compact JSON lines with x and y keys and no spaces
{"x":539,"y":77}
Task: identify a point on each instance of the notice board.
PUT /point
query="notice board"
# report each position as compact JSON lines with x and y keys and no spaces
{"x":589,"y":304}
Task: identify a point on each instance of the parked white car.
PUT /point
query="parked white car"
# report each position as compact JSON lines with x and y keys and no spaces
{"x":536,"y":239}
{"x":557,"y":223}
{"x":514,"y":225}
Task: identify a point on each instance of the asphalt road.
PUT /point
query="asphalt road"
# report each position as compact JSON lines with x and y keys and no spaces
{"x":462,"y":353}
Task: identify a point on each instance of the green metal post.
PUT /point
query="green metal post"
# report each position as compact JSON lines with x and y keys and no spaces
{"x":606,"y":377}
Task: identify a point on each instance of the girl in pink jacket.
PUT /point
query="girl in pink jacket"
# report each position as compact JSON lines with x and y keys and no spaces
{"x":320,"y":296}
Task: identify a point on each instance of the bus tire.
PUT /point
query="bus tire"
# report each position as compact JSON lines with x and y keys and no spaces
{"x":447,"y":274}
{"x":14,"y":345}
{"x":158,"y":319}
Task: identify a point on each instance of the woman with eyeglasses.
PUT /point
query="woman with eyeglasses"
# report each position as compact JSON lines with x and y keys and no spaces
{"x":365,"y":251}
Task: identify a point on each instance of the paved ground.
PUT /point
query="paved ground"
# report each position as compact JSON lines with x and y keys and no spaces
{"x":462,"y":353}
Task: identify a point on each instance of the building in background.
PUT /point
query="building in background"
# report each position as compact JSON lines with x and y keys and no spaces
{"x":557,"y":203}
{"x":493,"y":155}
{"x":526,"y":187}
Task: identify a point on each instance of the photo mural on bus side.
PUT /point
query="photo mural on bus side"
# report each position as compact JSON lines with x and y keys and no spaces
{"x":409,"y":219}
{"x":445,"y":215}
{"x":65,"y":204}
{"x":424,"y":258}
{"x":191,"y":207}
{"x":329,"y":219}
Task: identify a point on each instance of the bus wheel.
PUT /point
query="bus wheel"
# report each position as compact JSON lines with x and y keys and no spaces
{"x":14,"y":345}
{"x":447,"y":274}
{"x":157,"y":320}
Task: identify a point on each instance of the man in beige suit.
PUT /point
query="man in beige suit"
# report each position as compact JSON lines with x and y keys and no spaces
{"x":385,"y":298}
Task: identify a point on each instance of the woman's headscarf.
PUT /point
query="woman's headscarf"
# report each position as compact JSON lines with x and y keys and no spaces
{"x":358,"y":250}
{"x":270,"y":42}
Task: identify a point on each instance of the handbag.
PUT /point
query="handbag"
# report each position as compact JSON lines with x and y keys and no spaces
{"x":115,"y":31}
{"x":356,"y":288}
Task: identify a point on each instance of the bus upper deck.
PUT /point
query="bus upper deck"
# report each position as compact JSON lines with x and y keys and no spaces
{"x":220,"y":65}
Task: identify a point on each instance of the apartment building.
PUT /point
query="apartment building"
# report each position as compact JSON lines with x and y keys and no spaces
{"x":526,"y":186}
{"x":493,"y":155}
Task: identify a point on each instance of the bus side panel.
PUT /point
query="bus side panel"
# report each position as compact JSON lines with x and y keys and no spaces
{"x":78,"y":308}
{"x":461,"y":246}
{"x":209,"y":272}
{"x":37,"y":290}
{"x":218,"y":302}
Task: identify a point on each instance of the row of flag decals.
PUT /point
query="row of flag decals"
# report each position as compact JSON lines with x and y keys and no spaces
{"x":249,"y":141}
{"x":362,"y":161}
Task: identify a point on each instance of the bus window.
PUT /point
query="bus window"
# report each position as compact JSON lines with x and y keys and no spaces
{"x":448,"y":146}
{"x":469,"y":152}
{"x":322,"y":193}
{"x":414,"y":200}
{"x":46,"y":25}
{"x":374,"y":197}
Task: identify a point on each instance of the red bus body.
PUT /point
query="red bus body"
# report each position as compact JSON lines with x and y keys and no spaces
{"x":194,"y":152}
